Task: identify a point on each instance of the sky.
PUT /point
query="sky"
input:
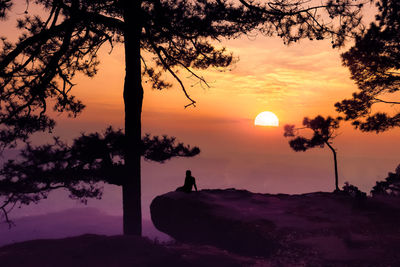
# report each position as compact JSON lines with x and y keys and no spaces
{"x":303,"y":79}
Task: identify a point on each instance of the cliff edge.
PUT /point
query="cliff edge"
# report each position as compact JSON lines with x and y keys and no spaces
{"x":315,"y":229}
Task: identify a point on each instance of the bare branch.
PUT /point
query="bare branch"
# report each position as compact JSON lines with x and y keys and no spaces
{"x":167,"y":67}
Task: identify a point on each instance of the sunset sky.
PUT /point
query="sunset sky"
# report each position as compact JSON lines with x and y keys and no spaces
{"x":303,"y":79}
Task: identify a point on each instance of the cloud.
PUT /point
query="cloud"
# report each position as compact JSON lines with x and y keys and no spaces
{"x":272,"y":73}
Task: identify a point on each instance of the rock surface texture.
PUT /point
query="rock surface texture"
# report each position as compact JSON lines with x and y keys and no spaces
{"x":315,"y":229}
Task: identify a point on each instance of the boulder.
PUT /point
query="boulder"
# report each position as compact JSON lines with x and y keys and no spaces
{"x":314,"y":228}
{"x":202,"y":217}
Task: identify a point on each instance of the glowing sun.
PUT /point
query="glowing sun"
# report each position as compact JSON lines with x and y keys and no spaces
{"x":266,"y":118}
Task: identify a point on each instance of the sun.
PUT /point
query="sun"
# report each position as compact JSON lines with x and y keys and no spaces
{"x":266,"y":118}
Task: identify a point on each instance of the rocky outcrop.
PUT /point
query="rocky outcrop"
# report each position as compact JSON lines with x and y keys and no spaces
{"x":202,"y":217}
{"x":316,"y":228}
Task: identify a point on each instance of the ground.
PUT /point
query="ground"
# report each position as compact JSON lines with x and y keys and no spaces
{"x":238,"y":228}
{"x":315,"y":229}
{"x":97,"y":250}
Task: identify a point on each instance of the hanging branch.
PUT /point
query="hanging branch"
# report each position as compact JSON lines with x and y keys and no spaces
{"x":81,"y":168}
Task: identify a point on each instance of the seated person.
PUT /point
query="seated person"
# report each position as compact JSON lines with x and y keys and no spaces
{"x":189,"y":183}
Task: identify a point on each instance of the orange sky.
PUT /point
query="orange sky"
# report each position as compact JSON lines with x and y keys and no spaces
{"x":308,"y":78}
{"x":304,"y":79}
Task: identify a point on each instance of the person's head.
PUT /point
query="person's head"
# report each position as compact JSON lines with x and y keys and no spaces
{"x":188,"y":173}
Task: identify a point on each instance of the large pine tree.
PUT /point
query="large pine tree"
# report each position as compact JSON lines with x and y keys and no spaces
{"x":38,"y":69}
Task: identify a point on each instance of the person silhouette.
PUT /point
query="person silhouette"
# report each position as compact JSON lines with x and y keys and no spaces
{"x":190,"y":182}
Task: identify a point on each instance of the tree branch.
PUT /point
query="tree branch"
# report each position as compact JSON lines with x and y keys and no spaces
{"x":168,"y":68}
{"x":386,"y":102}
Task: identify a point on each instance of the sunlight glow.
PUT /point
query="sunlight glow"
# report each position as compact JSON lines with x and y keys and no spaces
{"x":266,"y":118}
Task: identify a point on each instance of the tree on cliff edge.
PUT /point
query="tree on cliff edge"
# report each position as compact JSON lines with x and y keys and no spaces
{"x":323,"y":132}
{"x":37,"y":70}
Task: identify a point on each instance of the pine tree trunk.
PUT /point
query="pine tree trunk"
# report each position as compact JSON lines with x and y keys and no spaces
{"x":133,"y":98}
{"x":336,"y":169}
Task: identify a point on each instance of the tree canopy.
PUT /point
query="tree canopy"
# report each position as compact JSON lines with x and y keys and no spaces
{"x":37,"y":70}
{"x":374,"y":64}
{"x":159,"y":36}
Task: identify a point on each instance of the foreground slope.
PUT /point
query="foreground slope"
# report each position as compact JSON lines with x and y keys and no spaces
{"x":121,"y":251}
{"x":311,"y":229}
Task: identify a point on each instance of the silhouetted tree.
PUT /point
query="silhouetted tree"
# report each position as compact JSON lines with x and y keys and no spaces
{"x":81,"y":168}
{"x":4,"y":6}
{"x":353,"y":191}
{"x":38,"y":69}
{"x":374,"y":63}
{"x":389,"y":187}
{"x":322,"y":134}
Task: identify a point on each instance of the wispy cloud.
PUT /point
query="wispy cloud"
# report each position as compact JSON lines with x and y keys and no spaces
{"x":272,"y":73}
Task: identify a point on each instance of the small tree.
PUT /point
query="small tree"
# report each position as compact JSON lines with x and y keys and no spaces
{"x":374,"y":64}
{"x":389,"y":187}
{"x":81,"y":168}
{"x":353,"y":191}
{"x":323,"y":133}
